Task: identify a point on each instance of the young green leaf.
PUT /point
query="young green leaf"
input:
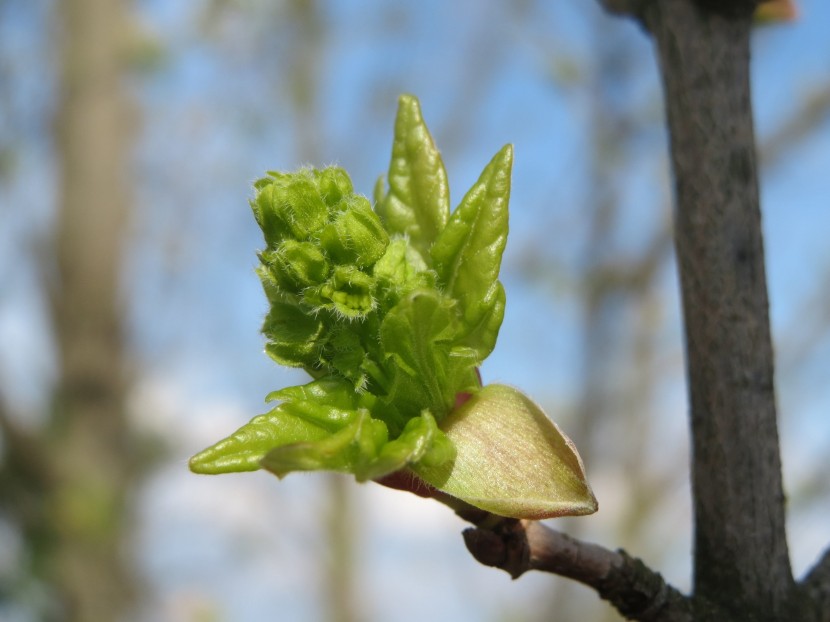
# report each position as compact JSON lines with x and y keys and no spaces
{"x":329,"y":402}
{"x":421,"y":440}
{"x":294,"y":337}
{"x":400,"y":271}
{"x":418,"y":334}
{"x":349,"y":450}
{"x":511,"y":459}
{"x":244,"y":449}
{"x":418,"y":202}
{"x":467,"y":254}
{"x":481,"y":336}
{"x":307,"y":413}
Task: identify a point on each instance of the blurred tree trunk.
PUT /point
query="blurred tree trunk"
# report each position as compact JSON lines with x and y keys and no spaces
{"x":89,"y":449}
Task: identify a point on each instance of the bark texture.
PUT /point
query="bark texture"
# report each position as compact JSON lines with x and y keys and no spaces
{"x":741,"y":562}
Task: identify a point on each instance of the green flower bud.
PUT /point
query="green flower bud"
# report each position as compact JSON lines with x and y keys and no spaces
{"x":346,"y":355}
{"x":266,"y":217}
{"x":348,"y":292}
{"x":289,"y":206}
{"x":334,"y":185}
{"x":356,"y":235}
{"x":297,"y":265}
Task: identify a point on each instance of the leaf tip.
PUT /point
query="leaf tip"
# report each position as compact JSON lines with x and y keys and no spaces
{"x":203,"y":463}
{"x":410,"y":104}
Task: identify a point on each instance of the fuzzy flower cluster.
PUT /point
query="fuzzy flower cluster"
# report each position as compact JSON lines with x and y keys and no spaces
{"x":332,"y":274}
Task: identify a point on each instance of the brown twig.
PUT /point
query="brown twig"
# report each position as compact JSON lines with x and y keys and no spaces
{"x":635,"y":590}
{"x":816,"y":584}
{"x":517,"y":546}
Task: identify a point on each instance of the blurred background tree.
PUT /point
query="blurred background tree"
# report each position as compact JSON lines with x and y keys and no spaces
{"x":128,"y":306}
{"x":67,"y":483}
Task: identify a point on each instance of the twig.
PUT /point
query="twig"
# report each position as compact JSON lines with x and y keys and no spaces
{"x":633,"y":8}
{"x":741,"y":561}
{"x":816,"y":584}
{"x":515,"y":546}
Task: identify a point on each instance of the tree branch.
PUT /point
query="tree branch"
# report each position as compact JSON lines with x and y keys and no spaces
{"x":816,"y":584}
{"x":741,"y":557}
{"x":635,"y":590}
{"x":633,"y":8}
{"x":517,"y":546}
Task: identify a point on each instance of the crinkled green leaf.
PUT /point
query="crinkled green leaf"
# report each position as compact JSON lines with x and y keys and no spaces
{"x":328,"y":402}
{"x":294,"y":336}
{"x":349,"y":450}
{"x":420,"y":441}
{"x":400,"y":271}
{"x":511,"y":459}
{"x":418,"y":202}
{"x":467,"y":254}
{"x":419,"y":334}
{"x":243,"y":450}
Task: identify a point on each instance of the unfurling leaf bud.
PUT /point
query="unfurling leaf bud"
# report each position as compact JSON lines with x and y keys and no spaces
{"x":391,"y":312}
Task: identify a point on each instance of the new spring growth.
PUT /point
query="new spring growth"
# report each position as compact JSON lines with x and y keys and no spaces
{"x":391,"y":310}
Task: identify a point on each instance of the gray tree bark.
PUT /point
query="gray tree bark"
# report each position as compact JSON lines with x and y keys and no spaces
{"x":741,"y":562}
